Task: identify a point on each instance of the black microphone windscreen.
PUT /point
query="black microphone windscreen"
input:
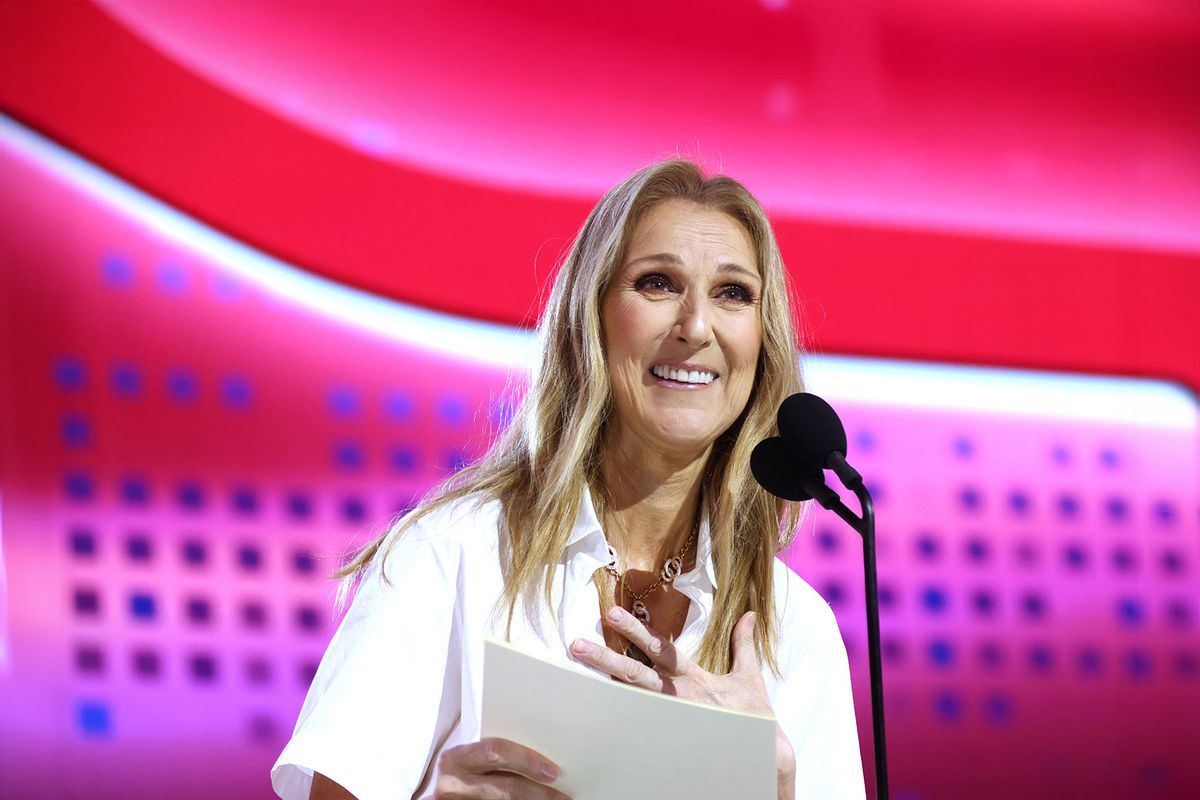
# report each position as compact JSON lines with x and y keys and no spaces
{"x":811,"y":428}
{"x":776,"y":470}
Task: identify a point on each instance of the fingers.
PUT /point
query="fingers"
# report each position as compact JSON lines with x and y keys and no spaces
{"x":659,"y":649}
{"x":493,"y":786}
{"x":620,"y":667}
{"x":745,"y":654}
{"x":498,"y":755}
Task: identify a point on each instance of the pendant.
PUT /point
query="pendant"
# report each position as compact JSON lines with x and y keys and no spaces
{"x":671,"y":569}
{"x":641,"y":612}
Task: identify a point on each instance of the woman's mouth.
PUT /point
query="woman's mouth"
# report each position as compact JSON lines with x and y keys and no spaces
{"x":695,"y":377}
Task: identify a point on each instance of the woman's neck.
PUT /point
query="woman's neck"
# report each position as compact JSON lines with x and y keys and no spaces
{"x":652,"y":500}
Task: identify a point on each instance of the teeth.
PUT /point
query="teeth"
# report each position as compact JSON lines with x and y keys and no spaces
{"x":683,"y":375}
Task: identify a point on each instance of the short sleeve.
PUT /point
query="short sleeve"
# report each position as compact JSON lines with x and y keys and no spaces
{"x":387,"y":691}
{"x":814,"y":702}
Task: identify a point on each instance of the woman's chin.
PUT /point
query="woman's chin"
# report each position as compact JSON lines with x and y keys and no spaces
{"x":685,"y":442}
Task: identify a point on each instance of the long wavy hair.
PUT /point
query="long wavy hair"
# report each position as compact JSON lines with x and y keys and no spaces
{"x":537,"y":468}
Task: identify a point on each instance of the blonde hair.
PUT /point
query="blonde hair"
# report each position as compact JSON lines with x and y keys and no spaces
{"x":539,"y":465}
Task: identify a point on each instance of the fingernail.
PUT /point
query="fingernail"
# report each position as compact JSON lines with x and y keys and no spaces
{"x":582,"y":647}
{"x":617,"y":614}
{"x":549,"y":773}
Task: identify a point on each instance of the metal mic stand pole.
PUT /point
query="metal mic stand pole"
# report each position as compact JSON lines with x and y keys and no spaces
{"x":865,"y":526}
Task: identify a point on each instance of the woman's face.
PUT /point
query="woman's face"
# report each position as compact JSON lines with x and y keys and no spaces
{"x":682,"y":328}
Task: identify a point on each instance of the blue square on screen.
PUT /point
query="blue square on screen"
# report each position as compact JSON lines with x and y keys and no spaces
{"x":94,"y":719}
{"x":86,"y":602}
{"x":344,"y":402}
{"x":299,"y":506}
{"x":69,"y":374}
{"x":190,"y":496}
{"x":1041,"y":658}
{"x":307,"y":618}
{"x":934,"y":600}
{"x":134,"y":490}
{"x":1068,"y":505}
{"x":306,"y":671}
{"x":183,"y":386}
{"x":174,"y":277}
{"x":453,"y":410}
{"x":1164,"y":513}
{"x":203,"y":668}
{"x":236,"y":393}
{"x":90,"y":660}
{"x":76,"y":431}
{"x":226,"y":287}
{"x":403,"y":459}
{"x":195,"y":553}
{"x":250,"y":558}
{"x":139,"y":548}
{"x":116,"y":270}
{"x":978,"y":549}
{"x":1130,"y":612}
{"x":245,"y":501}
{"x":304,"y":563}
{"x":126,"y":381}
{"x":79,"y":486}
{"x":354,"y":509}
{"x":348,"y":455}
{"x":199,"y":610}
{"x":1076,"y":556}
{"x":970,"y":498}
{"x":1138,"y":664}
{"x":146,"y":664}
{"x":83,"y":543}
{"x":142,"y":606}
{"x":399,"y":406}
{"x":941,"y":653}
{"x":1090,"y":661}
{"x":254,"y":615}
{"x":455,"y":459}
{"x":963,"y":447}
{"x":949,"y":706}
{"x":998,"y":709}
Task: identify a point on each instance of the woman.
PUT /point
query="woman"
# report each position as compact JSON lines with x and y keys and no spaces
{"x":614,"y":526}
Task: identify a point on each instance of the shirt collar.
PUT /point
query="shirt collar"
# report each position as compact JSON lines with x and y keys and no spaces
{"x":587,"y":538}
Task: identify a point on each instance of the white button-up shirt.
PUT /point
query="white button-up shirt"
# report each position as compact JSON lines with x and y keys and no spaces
{"x":402,"y":679}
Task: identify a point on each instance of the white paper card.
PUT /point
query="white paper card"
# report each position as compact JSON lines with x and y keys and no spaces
{"x":614,"y":741}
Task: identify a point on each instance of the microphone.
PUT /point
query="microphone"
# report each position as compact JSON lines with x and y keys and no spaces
{"x":814,"y":433}
{"x":791,"y":466}
{"x":774,"y":467}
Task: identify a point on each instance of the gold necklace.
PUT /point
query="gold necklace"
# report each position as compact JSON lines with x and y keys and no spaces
{"x":670,"y":571}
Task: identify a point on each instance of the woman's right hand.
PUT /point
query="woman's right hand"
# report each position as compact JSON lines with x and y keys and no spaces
{"x":495,"y":769}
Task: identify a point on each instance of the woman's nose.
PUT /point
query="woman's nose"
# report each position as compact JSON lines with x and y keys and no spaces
{"x":693,"y":326}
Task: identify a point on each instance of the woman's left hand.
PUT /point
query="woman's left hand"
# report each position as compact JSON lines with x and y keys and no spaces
{"x":675,"y":674}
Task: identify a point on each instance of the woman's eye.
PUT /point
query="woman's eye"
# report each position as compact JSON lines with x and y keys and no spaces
{"x":736,"y":293}
{"x":653,"y":283}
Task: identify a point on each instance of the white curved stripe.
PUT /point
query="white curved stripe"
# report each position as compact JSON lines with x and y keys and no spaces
{"x":1001,"y":392}
{"x":867,"y":381}
{"x":459,"y":337}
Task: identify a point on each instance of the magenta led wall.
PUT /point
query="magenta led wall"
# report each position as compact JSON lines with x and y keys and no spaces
{"x":195,"y":432}
{"x":267,"y":273}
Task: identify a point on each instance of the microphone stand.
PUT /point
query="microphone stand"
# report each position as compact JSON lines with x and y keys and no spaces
{"x":865,"y":526}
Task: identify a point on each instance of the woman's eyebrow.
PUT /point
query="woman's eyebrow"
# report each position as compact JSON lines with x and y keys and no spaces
{"x":730,"y":266}
{"x":669,"y":258}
